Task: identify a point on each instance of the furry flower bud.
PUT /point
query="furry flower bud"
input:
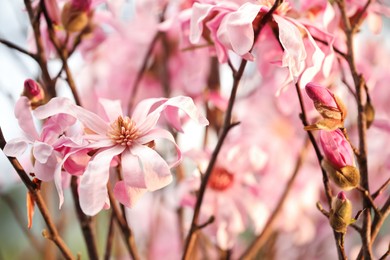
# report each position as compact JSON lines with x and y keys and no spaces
{"x":34,"y":92}
{"x":328,"y":105}
{"x":339,"y":159}
{"x":75,"y":15}
{"x":341,"y":213}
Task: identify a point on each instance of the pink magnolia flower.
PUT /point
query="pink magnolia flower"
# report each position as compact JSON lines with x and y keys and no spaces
{"x":337,"y":149}
{"x":131,"y":139}
{"x":47,"y":147}
{"x":229,"y":26}
{"x":231,"y":180}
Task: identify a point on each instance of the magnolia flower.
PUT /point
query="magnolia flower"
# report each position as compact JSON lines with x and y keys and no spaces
{"x":341,"y":213}
{"x":231,"y":179}
{"x":229,"y":26}
{"x":129,"y":138}
{"x":47,"y":147}
{"x":339,"y":159}
{"x":328,"y":105}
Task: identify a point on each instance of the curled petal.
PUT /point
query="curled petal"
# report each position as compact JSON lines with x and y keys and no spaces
{"x":294,"y":50}
{"x":55,"y":126}
{"x":66,"y":106}
{"x":42,"y":151}
{"x":161,"y":133}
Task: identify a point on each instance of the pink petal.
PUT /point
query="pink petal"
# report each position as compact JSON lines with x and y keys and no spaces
{"x":16,"y":147}
{"x":172,"y":116}
{"x":42,"y":151}
{"x":112,"y":108}
{"x":313,"y":65}
{"x":25,"y":120}
{"x":294,"y":49}
{"x":162,"y":133}
{"x":46,"y":171}
{"x":240,"y":28}
{"x":93,"y":183}
{"x":143,"y":108}
{"x":127,"y":195}
{"x":132,"y":172}
{"x":157,"y":173}
{"x":63,"y":105}
{"x":199,"y":14}
{"x":55,"y":126}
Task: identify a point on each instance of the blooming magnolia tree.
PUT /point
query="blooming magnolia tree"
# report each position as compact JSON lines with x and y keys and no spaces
{"x":205,"y":129}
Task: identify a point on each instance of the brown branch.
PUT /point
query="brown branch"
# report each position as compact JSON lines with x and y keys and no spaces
{"x":227,"y":126}
{"x":336,"y":50}
{"x":362,"y":127}
{"x":124,"y":227}
{"x":84,"y":221}
{"x":18,"y":48}
{"x":62,"y":52}
{"x":263,"y":237}
{"x":36,"y":195}
{"x":49,"y":84}
{"x":381,"y":189}
{"x":110,"y":237}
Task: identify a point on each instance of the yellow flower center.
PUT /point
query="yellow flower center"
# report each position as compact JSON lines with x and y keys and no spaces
{"x":123,"y":131}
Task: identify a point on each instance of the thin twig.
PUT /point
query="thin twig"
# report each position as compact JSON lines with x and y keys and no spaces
{"x":18,"y":48}
{"x":63,"y":53}
{"x":36,"y":195}
{"x":227,"y":126}
{"x":362,"y":125}
{"x":110,"y":237}
{"x":268,"y":229}
{"x":49,"y":83}
{"x":381,"y":189}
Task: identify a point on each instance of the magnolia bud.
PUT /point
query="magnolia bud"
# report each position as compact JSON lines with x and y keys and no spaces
{"x":74,"y":17}
{"x":328,"y":105}
{"x":340,"y":215}
{"x":339,"y":159}
{"x":34,"y":92}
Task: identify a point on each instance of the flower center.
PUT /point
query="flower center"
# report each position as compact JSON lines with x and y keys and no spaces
{"x":123,"y":131}
{"x":220,"y":179}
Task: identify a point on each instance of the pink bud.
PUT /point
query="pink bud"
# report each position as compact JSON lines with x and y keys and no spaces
{"x":81,"y":5}
{"x":341,"y":196}
{"x":34,"y":92}
{"x":31,"y":88}
{"x":320,"y":95}
{"x":337,"y":149}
